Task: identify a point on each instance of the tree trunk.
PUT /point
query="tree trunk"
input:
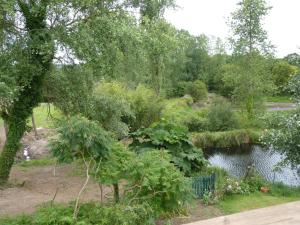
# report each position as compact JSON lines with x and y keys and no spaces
{"x":16,"y":129}
{"x":34,"y":127}
{"x":116,"y":193}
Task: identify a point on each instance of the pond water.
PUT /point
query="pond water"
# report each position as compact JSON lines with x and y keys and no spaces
{"x":235,"y":162}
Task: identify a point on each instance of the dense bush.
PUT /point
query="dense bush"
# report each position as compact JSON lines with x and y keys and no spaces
{"x":221,"y":116}
{"x":91,"y":213}
{"x":254,"y":180}
{"x":197,"y":90}
{"x":284,"y":138}
{"x":146,"y":107}
{"x":111,"y":108}
{"x":173,"y":138}
{"x":156,"y":181}
{"x":79,"y":137}
{"x":234,"y":186}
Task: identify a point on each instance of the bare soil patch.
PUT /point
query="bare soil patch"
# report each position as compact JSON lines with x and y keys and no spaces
{"x":40,"y":186}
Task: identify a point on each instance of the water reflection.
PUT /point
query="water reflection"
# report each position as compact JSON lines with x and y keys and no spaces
{"x":236,"y":161}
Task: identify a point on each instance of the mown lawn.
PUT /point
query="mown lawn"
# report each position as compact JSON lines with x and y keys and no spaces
{"x":239,"y":203}
{"x":42,"y":116}
{"x":277,"y":99}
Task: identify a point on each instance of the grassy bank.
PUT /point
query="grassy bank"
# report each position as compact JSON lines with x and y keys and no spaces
{"x":226,"y":139}
{"x":239,"y":203}
{"x":279,"y":99}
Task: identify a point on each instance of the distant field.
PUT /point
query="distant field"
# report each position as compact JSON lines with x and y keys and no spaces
{"x":42,"y":116}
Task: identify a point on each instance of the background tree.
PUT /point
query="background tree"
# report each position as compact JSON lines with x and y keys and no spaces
{"x":249,"y":41}
{"x":34,"y":32}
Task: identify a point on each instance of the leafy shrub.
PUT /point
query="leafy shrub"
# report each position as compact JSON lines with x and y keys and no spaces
{"x":178,"y":110}
{"x":173,"y":138}
{"x":285,"y":138}
{"x":178,"y":90}
{"x":111,"y":108}
{"x":154,"y":180}
{"x":233,"y":186}
{"x":90,"y":213}
{"x":221,"y":117}
{"x":79,"y":137}
{"x":254,"y":180}
{"x":196,"y":124}
{"x":197,"y":90}
{"x":146,"y":107}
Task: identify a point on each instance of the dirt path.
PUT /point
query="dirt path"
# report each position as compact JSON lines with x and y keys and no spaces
{"x":271,"y":106}
{"x":287,"y":214}
{"x":40,"y":187}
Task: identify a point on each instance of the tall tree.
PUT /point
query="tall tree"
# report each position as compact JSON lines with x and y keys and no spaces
{"x":32,"y":35}
{"x":249,"y":41}
{"x":248,"y":33}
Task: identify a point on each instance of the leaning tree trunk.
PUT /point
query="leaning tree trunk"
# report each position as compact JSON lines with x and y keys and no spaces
{"x":40,"y":50}
{"x":16,"y":129}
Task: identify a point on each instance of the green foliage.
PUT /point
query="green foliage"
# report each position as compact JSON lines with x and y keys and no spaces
{"x":293,"y":59}
{"x":146,"y":107}
{"x":111,"y":108}
{"x":247,"y":81}
{"x":174,"y":139}
{"x":81,"y":138}
{"x":284,"y":138}
{"x":180,"y":111}
{"x":221,"y":116}
{"x":234,"y":186}
{"x":69,"y":89}
{"x":247,"y":27}
{"x":157,"y":182}
{"x":282,"y":73}
{"x":279,"y":189}
{"x":226,"y":139}
{"x":294,"y":87}
{"x":117,"y":165}
{"x":90,"y":213}
{"x":197,"y":90}
{"x":254,"y":180}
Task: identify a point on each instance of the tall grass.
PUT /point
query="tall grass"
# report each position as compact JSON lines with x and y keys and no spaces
{"x":226,"y":139}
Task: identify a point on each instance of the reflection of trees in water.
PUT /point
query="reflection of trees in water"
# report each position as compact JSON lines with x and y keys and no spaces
{"x":236,"y":161}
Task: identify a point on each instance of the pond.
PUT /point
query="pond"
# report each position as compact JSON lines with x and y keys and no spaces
{"x":235,"y":162}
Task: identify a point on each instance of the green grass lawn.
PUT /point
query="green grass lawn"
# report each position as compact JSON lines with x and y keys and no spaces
{"x":284,"y":99}
{"x":239,"y":203}
{"x":42,"y":119}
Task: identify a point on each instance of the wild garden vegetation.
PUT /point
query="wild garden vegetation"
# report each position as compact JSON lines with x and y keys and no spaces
{"x":138,"y":101}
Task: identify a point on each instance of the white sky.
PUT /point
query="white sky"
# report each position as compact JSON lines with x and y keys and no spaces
{"x":209,"y":17}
